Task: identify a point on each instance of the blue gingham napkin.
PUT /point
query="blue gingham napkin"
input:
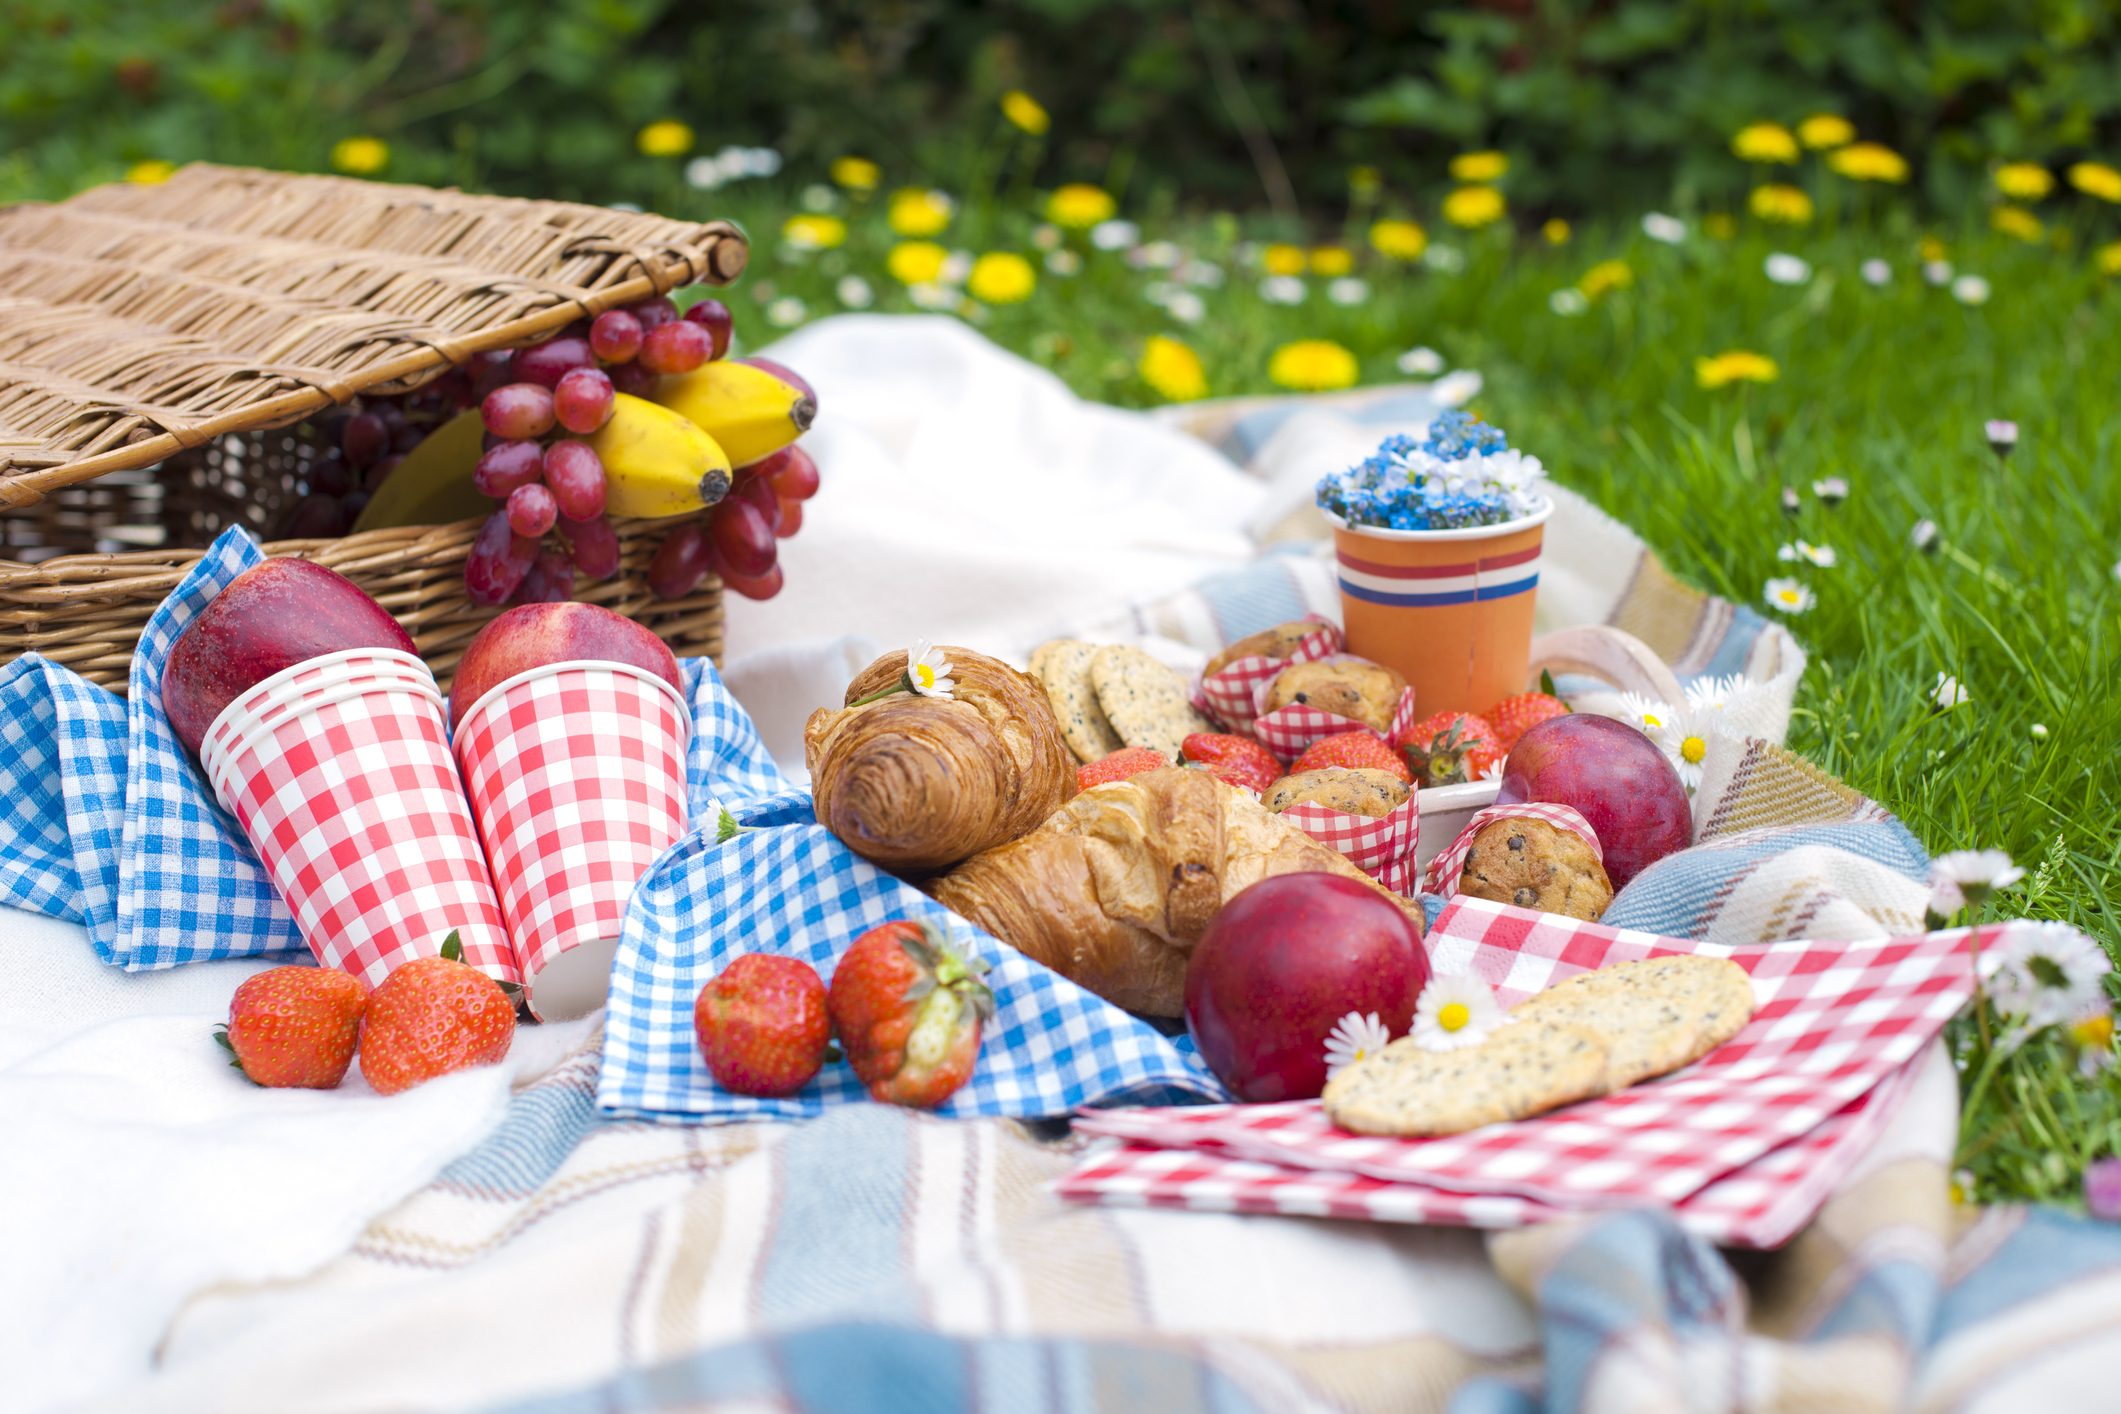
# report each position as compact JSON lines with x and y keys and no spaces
{"x":111,"y":825}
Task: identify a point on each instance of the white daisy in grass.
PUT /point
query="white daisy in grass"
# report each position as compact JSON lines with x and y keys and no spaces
{"x":1970,"y":289}
{"x":1568,"y":301}
{"x":1831,"y":489}
{"x":1355,"y":1037}
{"x":1667,"y":230}
{"x":1455,"y":1010}
{"x":2002,"y":435}
{"x":1969,"y":876}
{"x":786,"y":312}
{"x":1681,"y":731}
{"x":956,"y":267}
{"x":1421,"y":362}
{"x":1046,"y":237}
{"x":1788,"y":596}
{"x":1949,"y":693}
{"x":1348,"y":290}
{"x":2046,"y":974}
{"x":1204,"y":273}
{"x":818,"y":197}
{"x":1876,"y":273}
{"x":1114,"y":234}
{"x":930,"y":295}
{"x":1446,"y":259}
{"x":1282,"y":289}
{"x":1820,"y":555}
{"x":1937,"y":272}
{"x":1923,"y":536}
{"x":1064,"y":263}
{"x":1786,"y":269}
{"x":2039,"y":731}
{"x":1156,"y":255}
{"x":1713,"y":694}
{"x":1186,"y":307}
{"x":1645,"y":714}
{"x":854,"y":292}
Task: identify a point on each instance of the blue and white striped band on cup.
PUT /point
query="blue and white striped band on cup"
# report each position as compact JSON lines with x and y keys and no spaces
{"x":1426,"y":586}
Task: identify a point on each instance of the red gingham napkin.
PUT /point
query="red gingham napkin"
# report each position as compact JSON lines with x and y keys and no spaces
{"x":1445,"y":868}
{"x":1761,"y":1204}
{"x":1833,"y":1020}
{"x":1370,"y":844}
{"x":339,"y":771}
{"x":577,"y":777}
{"x":1230,"y":694}
{"x":1287,"y":731}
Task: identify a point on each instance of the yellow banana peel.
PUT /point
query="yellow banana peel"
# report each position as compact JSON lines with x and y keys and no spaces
{"x":751,"y":413}
{"x":657,"y":462}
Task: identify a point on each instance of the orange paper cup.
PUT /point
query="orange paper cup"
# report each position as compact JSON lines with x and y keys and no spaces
{"x":1449,"y":610}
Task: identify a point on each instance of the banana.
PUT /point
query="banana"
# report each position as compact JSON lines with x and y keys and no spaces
{"x":656,"y":462}
{"x":432,"y":486}
{"x":751,"y":413}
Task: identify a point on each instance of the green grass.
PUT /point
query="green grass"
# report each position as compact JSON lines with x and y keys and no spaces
{"x":1887,"y":388}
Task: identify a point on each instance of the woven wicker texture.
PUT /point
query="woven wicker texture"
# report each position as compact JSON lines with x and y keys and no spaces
{"x":155,"y":339}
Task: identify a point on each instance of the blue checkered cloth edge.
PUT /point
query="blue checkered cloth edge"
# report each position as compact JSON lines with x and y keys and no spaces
{"x":114,"y":827}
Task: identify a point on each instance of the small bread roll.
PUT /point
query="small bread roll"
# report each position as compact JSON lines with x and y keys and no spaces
{"x":1355,"y":688}
{"x":1350,"y":791}
{"x":1277,"y":643}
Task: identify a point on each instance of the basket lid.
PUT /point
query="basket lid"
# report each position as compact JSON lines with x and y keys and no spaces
{"x":137,"y":321}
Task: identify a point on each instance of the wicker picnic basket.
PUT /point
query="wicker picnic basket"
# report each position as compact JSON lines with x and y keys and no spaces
{"x":159,"y":343}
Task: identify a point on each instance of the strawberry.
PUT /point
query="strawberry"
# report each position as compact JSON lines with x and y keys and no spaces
{"x":1118,"y":766}
{"x":1514,"y":716}
{"x":909,"y":1012}
{"x":1450,"y":748}
{"x":1361,"y":749}
{"x":432,"y":1016}
{"x":1237,"y":759}
{"x":295,"y":1027}
{"x":762,"y":1025}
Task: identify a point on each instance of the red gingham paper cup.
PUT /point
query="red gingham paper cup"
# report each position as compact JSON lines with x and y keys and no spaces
{"x":1447,"y":868}
{"x":339,"y":771}
{"x":1371,"y":845}
{"x":1289,"y":731}
{"x":1231,"y":694}
{"x":577,"y":779}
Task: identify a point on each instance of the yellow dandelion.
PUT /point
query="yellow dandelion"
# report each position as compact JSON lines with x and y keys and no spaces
{"x":856,"y":173}
{"x":1313,"y":366}
{"x":1001,"y":277}
{"x":1556,"y":231}
{"x":1080,"y":206}
{"x":1283,"y":259}
{"x":360,"y":155}
{"x":1331,"y":260}
{"x":1479,"y":166}
{"x":1826,"y":130}
{"x":152,"y":172}
{"x":1395,"y":239}
{"x":1869,"y":162}
{"x":916,"y":211}
{"x":2024,"y":181}
{"x":1365,"y":181}
{"x":916,"y":262}
{"x":1473,"y":207}
{"x":813,"y":232}
{"x":1720,"y":225}
{"x":1026,"y":112}
{"x":2096,"y":179}
{"x":2110,"y":259}
{"x":1931,"y":249}
{"x":1173,"y":370}
{"x":2017,"y":222}
{"x":1783,"y":204}
{"x":665,"y":138}
{"x":1765,"y":142}
{"x":1605,"y":277}
{"x":1735,"y":366}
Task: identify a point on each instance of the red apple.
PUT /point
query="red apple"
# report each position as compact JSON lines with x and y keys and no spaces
{"x":270,"y":617}
{"x":1282,"y":963}
{"x":532,"y":635}
{"x":1613,"y":776}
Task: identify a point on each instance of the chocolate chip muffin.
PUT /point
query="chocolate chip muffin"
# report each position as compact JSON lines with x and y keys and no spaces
{"x":1277,"y":642}
{"x":1354,"y":688}
{"x":1533,"y":864}
{"x":1352,"y":791}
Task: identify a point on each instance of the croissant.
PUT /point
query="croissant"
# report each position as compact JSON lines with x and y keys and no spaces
{"x":918,"y":783}
{"x":1117,"y":887}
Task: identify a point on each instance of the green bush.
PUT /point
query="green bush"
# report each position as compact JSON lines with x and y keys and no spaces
{"x":1212,"y":101}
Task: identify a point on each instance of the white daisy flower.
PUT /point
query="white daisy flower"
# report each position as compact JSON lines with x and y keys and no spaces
{"x":1204,"y":273}
{"x":1969,"y":875}
{"x":1788,"y":596}
{"x":1820,"y":555}
{"x":1786,"y":269}
{"x":1659,"y":227}
{"x":1348,"y":290}
{"x":759,"y":161}
{"x":1421,"y":362}
{"x":786,"y":312}
{"x":1064,"y":263}
{"x":1948,"y":693}
{"x":1186,"y":307}
{"x":928,"y":671}
{"x":1876,"y":273}
{"x":1046,"y":237}
{"x":1937,"y":272}
{"x":1970,"y":289}
{"x":1681,"y":731}
{"x":1923,"y":536}
{"x":854,"y":292}
{"x":1116,"y":234}
{"x":818,"y":197}
{"x":1831,"y":489}
{"x":1455,"y":1010}
{"x":1646,"y":714}
{"x":2002,"y":435}
{"x":1355,"y":1037}
{"x":1156,"y":255}
{"x":704,"y":173}
{"x":956,"y":266}
{"x":1568,"y":301}
{"x":1282,"y":289}
{"x":1713,"y":694}
{"x":1456,"y":388}
{"x":2047,"y":974}
{"x":2039,"y":731}
{"x":1448,"y":259}
{"x":929,"y":295}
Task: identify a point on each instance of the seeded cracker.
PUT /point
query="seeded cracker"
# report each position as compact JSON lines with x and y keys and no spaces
{"x":1144,"y":701}
{"x":1656,"y":1015}
{"x":1062,"y":667}
{"x":1522,"y":1069}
